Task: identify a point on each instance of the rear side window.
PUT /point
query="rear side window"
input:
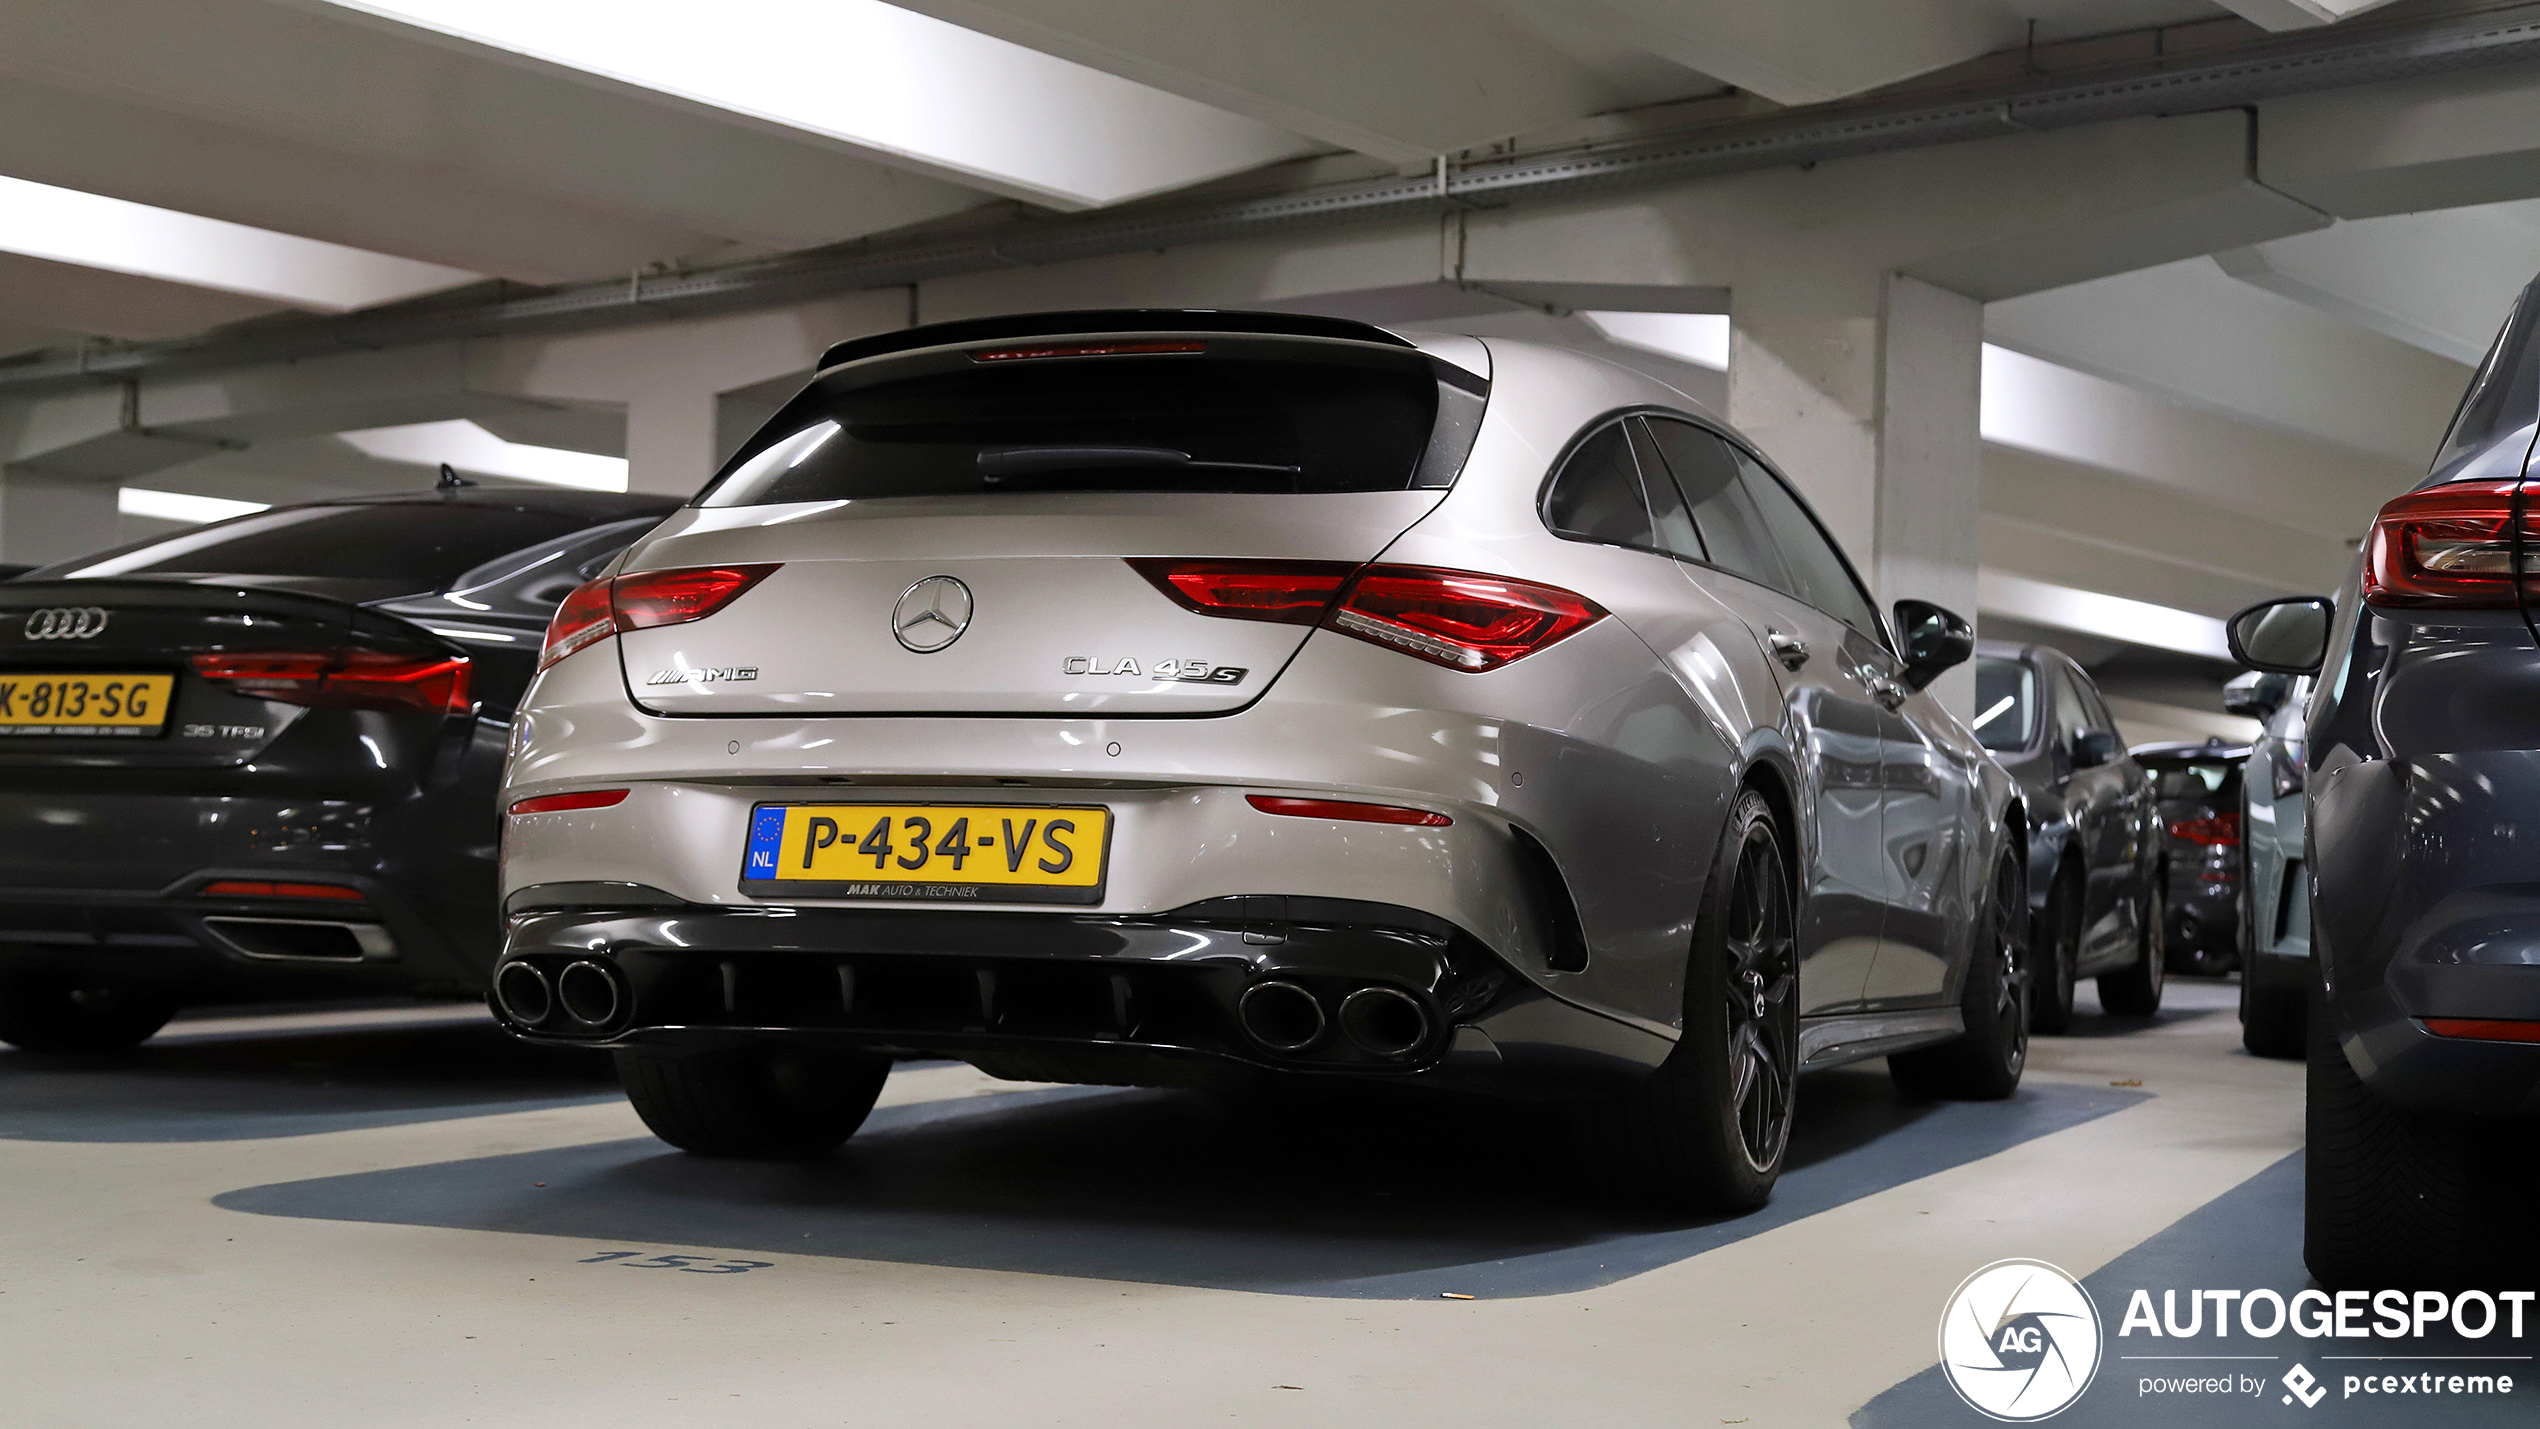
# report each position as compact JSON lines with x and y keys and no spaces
{"x":1597,"y":496}
{"x":421,"y":545}
{"x":1734,"y":536}
{"x":2006,"y":703}
{"x":1817,"y":570}
{"x":2213,"y":780}
{"x":1235,"y":417}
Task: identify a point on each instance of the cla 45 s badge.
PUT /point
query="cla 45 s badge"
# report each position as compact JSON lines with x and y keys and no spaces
{"x":1197,"y":672}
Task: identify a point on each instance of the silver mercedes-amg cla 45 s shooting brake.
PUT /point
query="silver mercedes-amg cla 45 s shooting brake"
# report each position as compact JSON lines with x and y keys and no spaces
{"x":1187,"y":698}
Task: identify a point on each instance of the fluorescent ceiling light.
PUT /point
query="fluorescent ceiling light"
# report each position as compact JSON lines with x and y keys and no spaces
{"x":93,"y":231}
{"x":2091,"y":613}
{"x":470,"y":448}
{"x":897,"y":84}
{"x":1699,"y":338}
{"x":177,"y":506}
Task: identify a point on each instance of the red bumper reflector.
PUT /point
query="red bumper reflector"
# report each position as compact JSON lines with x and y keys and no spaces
{"x":1343,"y":809}
{"x":246,"y":888}
{"x":2484,"y":1029}
{"x":559,"y":803}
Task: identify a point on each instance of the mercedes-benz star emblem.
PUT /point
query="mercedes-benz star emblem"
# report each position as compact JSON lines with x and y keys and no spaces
{"x":931,"y":614}
{"x":66,"y":622}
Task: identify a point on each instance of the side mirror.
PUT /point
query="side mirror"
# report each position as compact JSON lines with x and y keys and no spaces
{"x":1934,"y":638}
{"x":2094,"y":747}
{"x":2256,"y":694}
{"x":2282,"y":637}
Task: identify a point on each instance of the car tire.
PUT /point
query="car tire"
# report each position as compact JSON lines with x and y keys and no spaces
{"x":2272,"y":1019}
{"x":2406,"y":1198}
{"x":1708,"y":1131}
{"x":70,"y":1012}
{"x":752,"y":1104}
{"x":2056,"y":951}
{"x":1985,"y":1063}
{"x":2135,"y":989}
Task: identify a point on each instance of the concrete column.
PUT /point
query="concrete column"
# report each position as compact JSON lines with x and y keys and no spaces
{"x":1864,"y":388}
{"x":670,"y":437}
{"x":47,"y":518}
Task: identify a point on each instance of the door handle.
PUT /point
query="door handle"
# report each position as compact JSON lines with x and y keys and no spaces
{"x":1789,"y":649}
{"x":1887,"y":692}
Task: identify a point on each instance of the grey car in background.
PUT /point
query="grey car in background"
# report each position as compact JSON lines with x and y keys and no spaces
{"x":2197,"y":787}
{"x":1199,"y":698}
{"x":2275,"y":901}
{"x":2096,"y":890}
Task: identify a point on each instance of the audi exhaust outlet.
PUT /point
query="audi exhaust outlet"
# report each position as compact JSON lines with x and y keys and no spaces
{"x":1384,"y":1021}
{"x":524,"y":993}
{"x":589,"y":993}
{"x":1281,"y":1016}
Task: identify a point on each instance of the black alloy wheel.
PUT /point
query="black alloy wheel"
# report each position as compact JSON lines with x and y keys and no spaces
{"x":1708,"y":1130}
{"x":2055,"y":955}
{"x":1986,"y":1062}
{"x":2135,"y":989}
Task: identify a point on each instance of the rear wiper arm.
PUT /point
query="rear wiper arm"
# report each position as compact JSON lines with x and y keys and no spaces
{"x":1031,"y":461}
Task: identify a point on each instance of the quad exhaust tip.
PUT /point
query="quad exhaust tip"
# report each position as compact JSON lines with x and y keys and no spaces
{"x":1384,"y":1022}
{"x":589,"y":993}
{"x":1281,"y":1016}
{"x":525,"y":994}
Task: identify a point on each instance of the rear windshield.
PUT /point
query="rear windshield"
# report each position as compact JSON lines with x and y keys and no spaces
{"x":2204,"y":779}
{"x":419,"y":546}
{"x":1171,"y":423}
{"x":2006,"y":703}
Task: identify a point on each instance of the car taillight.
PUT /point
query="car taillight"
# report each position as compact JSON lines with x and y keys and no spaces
{"x":344,"y":679}
{"x":644,"y":601}
{"x":2450,"y":545}
{"x":1287,"y":592}
{"x":1346,"y":810}
{"x":1459,"y":619}
{"x":2213,"y":830}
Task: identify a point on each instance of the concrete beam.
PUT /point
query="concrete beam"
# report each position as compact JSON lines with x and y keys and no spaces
{"x":1806,"y":51}
{"x":2409,"y":146}
{"x":2442,"y":281}
{"x":2298,"y":14}
{"x":1402,"y":81}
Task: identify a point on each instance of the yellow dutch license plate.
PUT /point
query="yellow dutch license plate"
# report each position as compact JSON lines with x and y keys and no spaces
{"x":133,"y":706}
{"x":951,"y":853}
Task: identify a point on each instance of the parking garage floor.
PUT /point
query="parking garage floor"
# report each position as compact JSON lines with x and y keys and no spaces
{"x":395,"y":1216}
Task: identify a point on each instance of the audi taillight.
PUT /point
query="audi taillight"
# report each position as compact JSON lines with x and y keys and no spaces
{"x":2213,"y":830}
{"x":1287,"y":592}
{"x":1459,"y":619}
{"x":644,"y":601}
{"x":344,"y":679}
{"x":2450,"y":545}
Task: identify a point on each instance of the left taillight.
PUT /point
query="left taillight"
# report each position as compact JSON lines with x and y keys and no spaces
{"x":643,"y":601}
{"x":2450,"y":545}
{"x":2213,"y":830}
{"x":344,"y":679}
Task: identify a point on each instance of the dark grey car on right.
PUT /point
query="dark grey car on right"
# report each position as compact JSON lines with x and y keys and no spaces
{"x":2096,"y":900}
{"x":2422,"y":762}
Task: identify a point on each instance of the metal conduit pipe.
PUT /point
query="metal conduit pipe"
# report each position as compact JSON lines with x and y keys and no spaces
{"x":2352,"y":54}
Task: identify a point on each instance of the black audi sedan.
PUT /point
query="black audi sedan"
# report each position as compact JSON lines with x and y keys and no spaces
{"x":259,"y":757}
{"x":2198,"y":788}
{"x":2422,"y":763}
{"x":2096,"y":892}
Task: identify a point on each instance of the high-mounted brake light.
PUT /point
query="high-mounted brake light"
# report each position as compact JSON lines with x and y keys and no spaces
{"x":1089,"y":349}
{"x":1287,"y":592}
{"x":2484,"y":1029}
{"x":2213,"y":830}
{"x":1460,"y":619}
{"x":1347,"y":810}
{"x":644,"y":601}
{"x":563,"y":803}
{"x":2450,"y":545}
{"x":344,"y":679}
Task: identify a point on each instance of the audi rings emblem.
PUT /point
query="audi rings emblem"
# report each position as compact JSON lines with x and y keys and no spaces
{"x":931,"y":614}
{"x":66,"y":622}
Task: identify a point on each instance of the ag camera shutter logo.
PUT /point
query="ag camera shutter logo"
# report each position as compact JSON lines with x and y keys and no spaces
{"x":2019,"y":1341}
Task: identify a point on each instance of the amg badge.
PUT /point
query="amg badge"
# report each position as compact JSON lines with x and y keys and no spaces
{"x":701,"y":677}
{"x":1196,"y":672}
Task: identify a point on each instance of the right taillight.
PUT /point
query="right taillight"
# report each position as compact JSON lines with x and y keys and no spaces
{"x":1460,"y":619}
{"x":2213,"y":830}
{"x":1285,"y":592}
{"x":644,"y":601}
{"x":2449,"y":545}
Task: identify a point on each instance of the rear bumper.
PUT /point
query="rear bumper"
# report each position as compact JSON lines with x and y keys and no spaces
{"x":2424,"y":911}
{"x":1154,"y":999}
